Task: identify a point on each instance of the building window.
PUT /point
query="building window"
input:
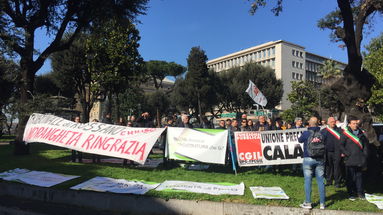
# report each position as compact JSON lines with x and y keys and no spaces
{"x":293,"y":75}
{"x":301,"y":54}
{"x":293,"y":52}
{"x":273,"y":51}
{"x":293,"y":64}
{"x":301,"y":65}
{"x":268,"y":52}
{"x":301,"y":77}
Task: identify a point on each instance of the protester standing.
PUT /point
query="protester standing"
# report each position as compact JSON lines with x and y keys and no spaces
{"x":107,"y":119}
{"x":353,"y":145}
{"x":77,"y":154}
{"x":145,"y":121}
{"x":261,"y":125}
{"x":331,"y":136}
{"x":250,"y":125}
{"x":185,"y":122}
{"x":221,"y":125}
{"x":313,"y":161}
{"x":298,"y":123}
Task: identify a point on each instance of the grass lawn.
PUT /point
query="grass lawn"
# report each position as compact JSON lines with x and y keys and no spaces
{"x":6,"y":138}
{"x":49,"y":158}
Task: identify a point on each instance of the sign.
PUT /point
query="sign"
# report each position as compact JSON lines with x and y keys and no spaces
{"x":374,"y":199}
{"x":95,"y":138}
{"x":104,"y":184}
{"x":38,"y":178}
{"x":256,"y":94}
{"x":203,"y":145}
{"x":255,"y":148}
{"x":207,"y":188}
{"x":268,"y":193}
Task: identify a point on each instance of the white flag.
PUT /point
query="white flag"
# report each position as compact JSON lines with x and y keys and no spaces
{"x":256,"y":94}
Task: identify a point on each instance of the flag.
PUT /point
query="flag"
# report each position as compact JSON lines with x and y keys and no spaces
{"x":256,"y":94}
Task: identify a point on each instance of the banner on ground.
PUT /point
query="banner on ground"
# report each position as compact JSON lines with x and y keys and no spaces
{"x":38,"y":178}
{"x":374,"y":199}
{"x":104,"y":184}
{"x":202,"y":145}
{"x":207,"y":188}
{"x":255,"y":148}
{"x":95,"y":138}
{"x":268,"y":193}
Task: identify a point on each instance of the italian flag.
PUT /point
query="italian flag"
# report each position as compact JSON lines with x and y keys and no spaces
{"x":354,"y":138}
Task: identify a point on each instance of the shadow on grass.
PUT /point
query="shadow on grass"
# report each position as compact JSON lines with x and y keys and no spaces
{"x":339,"y":195}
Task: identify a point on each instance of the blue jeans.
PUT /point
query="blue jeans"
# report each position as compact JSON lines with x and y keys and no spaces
{"x":310,"y":166}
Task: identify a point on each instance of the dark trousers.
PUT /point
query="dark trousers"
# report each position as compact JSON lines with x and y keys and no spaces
{"x":76,"y":154}
{"x":338,"y":169}
{"x":354,"y":180}
{"x":330,"y":167}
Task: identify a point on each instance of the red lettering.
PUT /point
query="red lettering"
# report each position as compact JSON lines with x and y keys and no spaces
{"x":133,"y":143}
{"x":59,"y":136}
{"x":115,"y":145}
{"x":53,"y":136}
{"x":75,"y":140}
{"x":142,"y":150}
{"x":87,"y":141}
{"x":122,"y":147}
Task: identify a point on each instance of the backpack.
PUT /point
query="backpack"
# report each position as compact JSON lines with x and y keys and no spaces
{"x":315,"y":144}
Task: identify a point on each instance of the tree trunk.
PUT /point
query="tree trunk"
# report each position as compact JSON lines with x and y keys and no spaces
{"x":354,"y":90}
{"x":26,"y":93}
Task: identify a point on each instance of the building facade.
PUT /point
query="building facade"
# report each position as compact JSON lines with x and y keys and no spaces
{"x":289,"y":61}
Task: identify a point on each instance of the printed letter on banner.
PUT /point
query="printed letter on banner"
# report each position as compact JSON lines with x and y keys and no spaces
{"x":94,"y":138}
{"x":256,"y":148}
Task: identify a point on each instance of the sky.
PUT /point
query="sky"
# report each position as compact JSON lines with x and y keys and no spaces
{"x":171,"y":28}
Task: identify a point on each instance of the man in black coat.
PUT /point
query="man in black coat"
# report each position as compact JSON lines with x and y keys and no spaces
{"x":353,"y":145}
{"x":331,"y":137}
{"x":185,"y":122}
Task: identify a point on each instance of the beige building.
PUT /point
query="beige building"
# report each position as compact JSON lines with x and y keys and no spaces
{"x":289,"y":61}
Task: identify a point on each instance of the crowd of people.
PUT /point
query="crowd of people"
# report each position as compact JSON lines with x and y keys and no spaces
{"x":340,"y":160}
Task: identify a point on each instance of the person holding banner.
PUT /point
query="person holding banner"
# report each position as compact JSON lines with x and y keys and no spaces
{"x":77,"y":154}
{"x":185,"y":122}
{"x":261,"y":125}
{"x":313,"y":162}
{"x":331,"y":136}
{"x":353,"y":144}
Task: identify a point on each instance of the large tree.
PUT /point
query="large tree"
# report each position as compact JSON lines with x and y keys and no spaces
{"x":20,"y":20}
{"x":195,"y":92}
{"x":232,"y":94}
{"x":101,"y":63}
{"x":374,"y":63}
{"x":347,"y":24}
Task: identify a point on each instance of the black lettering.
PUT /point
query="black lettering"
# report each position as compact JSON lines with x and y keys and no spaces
{"x":278,"y":153}
{"x":265,"y":154}
{"x":298,"y":152}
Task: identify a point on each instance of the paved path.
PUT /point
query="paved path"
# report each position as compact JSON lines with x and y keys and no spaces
{"x":82,"y":202}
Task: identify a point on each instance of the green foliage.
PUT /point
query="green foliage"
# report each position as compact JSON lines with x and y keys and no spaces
{"x":53,"y":159}
{"x":158,"y":70}
{"x":303,"y":97}
{"x":374,"y":63}
{"x":195,"y":91}
{"x":104,"y":62}
{"x":236,"y":80}
{"x":330,"y":70}
{"x":46,"y":84}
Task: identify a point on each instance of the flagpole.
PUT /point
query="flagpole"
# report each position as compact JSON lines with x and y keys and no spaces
{"x":231,"y":152}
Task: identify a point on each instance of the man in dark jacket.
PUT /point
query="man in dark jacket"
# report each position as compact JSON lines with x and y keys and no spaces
{"x":331,"y":137}
{"x":261,"y":125}
{"x":145,"y":121}
{"x":353,"y":145}
{"x":185,"y":122}
{"x":312,"y":165}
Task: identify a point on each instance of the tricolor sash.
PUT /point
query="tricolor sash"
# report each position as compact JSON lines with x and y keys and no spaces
{"x":352,"y":137}
{"x":333,"y":132}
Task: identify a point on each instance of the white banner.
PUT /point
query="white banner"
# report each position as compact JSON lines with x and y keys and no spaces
{"x":268,"y":193}
{"x":38,"y":178}
{"x":256,"y":148}
{"x":208,"y":188}
{"x":95,"y":138}
{"x":104,"y":184}
{"x":203,"y":145}
{"x":377,"y":200}
{"x":256,"y":94}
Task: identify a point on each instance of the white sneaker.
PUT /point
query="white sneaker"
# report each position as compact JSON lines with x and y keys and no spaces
{"x":306,"y":205}
{"x":322,"y":206}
